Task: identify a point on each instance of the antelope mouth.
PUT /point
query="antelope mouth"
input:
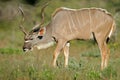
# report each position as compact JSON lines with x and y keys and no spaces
{"x":27,"y":50}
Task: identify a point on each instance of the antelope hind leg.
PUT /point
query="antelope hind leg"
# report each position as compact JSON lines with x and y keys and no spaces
{"x":104,"y":55}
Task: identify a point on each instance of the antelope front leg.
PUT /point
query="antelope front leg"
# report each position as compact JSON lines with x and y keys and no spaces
{"x":66,"y":53}
{"x":57,"y":51}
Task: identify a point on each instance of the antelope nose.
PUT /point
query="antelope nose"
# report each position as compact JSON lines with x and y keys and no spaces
{"x":24,"y":49}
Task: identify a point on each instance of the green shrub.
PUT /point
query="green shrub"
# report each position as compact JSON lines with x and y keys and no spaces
{"x":109,"y":73}
{"x":93,"y":75}
{"x":10,"y":51}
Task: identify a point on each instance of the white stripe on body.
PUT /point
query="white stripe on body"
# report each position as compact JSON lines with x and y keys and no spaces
{"x":78,"y":21}
{"x":69,"y":23}
{"x":72,"y":25}
{"x":90,"y":20}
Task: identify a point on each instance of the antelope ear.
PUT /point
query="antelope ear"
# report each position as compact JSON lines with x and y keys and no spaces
{"x":42,"y":31}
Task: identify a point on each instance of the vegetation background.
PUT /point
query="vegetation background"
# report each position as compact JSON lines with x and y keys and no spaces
{"x":84,"y":61}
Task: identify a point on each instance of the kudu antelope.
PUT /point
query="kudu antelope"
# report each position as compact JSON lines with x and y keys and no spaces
{"x":69,"y":24}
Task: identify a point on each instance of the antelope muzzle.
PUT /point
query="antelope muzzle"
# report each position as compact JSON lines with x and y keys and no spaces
{"x":27,"y":47}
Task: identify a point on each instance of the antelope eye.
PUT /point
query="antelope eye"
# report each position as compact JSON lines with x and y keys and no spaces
{"x":40,"y":37}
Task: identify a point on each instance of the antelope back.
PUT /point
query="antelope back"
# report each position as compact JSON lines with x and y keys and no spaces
{"x":81,"y":23}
